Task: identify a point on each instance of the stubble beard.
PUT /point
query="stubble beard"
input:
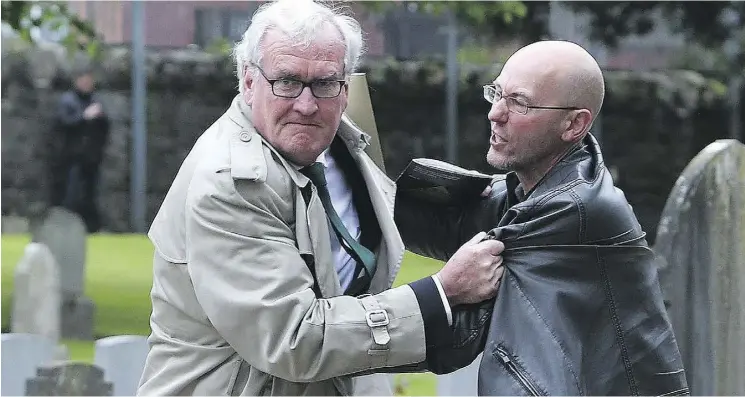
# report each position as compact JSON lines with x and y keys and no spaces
{"x":499,"y":161}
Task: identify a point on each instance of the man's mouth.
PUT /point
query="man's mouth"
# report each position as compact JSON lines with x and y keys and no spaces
{"x":304,"y":123}
{"x":496,"y":139}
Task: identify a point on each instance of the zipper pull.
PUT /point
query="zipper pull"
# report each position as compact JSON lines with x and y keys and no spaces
{"x":503,"y":356}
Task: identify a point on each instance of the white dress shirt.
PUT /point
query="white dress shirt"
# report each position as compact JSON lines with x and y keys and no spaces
{"x":341,"y":199}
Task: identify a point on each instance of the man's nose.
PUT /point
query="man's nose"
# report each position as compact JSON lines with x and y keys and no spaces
{"x":498,"y":111}
{"x":306,"y":104}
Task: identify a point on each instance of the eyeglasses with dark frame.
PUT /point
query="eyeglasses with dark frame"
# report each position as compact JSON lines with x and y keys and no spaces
{"x":515,"y":105}
{"x":285,"y":87}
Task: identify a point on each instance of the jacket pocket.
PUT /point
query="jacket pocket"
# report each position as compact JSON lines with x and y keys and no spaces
{"x":517,"y":371}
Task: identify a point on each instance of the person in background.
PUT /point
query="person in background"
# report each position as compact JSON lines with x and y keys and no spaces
{"x":81,"y":133}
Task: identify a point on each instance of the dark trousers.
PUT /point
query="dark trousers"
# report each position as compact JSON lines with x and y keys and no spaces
{"x":74,"y":185}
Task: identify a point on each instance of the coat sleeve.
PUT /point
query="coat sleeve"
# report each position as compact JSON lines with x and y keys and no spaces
{"x":470,"y":330}
{"x":256,"y":290}
{"x":69,"y":111}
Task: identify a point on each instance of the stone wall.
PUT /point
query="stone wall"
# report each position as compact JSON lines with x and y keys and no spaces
{"x":652,"y":124}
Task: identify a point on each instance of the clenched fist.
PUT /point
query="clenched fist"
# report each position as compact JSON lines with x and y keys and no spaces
{"x":472,"y":274}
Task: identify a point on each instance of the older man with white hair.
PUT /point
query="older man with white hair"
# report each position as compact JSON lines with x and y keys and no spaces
{"x":275,"y":247}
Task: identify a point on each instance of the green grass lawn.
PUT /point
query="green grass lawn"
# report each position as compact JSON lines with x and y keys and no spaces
{"x":118,"y":280}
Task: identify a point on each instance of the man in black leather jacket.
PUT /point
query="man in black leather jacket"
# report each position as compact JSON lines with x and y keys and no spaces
{"x":579,"y":310}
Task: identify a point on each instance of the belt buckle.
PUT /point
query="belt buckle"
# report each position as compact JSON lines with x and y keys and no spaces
{"x":373,"y":323}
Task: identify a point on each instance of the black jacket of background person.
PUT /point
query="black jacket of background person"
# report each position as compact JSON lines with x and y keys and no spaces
{"x":579,"y":309}
{"x":76,"y":143}
{"x":78,"y":139}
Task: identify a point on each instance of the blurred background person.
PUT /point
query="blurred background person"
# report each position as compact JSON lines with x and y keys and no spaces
{"x":81,"y":130}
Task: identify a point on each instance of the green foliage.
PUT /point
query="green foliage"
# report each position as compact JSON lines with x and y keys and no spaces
{"x":475,"y":55}
{"x":220,"y":46}
{"x":478,"y":13}
{"x":77,"y":35}
{"x":697,"y":57}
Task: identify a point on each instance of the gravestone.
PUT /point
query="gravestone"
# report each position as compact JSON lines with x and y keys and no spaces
{"x":65,"y":234}
{"x":68,"y":379}
{"x":463,"y":382}
{"x":122,"y":359}
{"x":21,"y":355}
{"x":701,"y":251}
{"x":36,"y":294}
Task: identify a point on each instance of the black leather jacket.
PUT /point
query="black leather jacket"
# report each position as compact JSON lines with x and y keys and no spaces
{"x":579,"y":309}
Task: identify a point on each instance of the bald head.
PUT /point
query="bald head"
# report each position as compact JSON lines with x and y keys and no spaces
{"x":566,"y":68}
{"x":552,"y":92}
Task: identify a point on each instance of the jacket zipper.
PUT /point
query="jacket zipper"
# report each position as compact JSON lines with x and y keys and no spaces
{"x":517,"y":372}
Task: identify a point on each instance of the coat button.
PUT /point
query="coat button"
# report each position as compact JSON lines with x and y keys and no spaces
{"x":245,"y":136}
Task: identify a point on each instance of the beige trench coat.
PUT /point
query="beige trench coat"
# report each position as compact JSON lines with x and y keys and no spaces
{"x":233,"y":308}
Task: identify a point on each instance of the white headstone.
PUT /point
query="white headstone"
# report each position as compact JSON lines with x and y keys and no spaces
{"x":122,"y":359}
{"x":65,"y":234}
{"x":701,"y":248}
{"x":463,"y":382}
{"x":22,"y":354}
{"x":36,"y":294}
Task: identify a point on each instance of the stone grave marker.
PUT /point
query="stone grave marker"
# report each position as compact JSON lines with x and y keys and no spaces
{"x":122,"y":359}
{"x":36,"y":294}
{"x":21,"y":355}
{"x":65,"y":234}
{"x":68,"y":379}
{"x":700,"y":246}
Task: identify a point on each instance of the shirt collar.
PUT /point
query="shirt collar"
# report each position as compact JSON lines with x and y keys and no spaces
{"x":323,"y":158}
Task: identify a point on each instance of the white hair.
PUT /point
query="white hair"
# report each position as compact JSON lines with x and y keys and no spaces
{"x":300,"y":20}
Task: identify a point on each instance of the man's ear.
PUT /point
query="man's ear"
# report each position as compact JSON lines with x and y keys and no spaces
{"x":345,"y":94}
{"x":577,"y":125}
{"x":248,"y":81}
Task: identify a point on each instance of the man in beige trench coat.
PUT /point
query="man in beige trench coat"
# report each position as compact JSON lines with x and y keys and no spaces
{"x":257,"y":290}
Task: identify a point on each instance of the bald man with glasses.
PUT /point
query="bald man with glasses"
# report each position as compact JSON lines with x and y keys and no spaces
{"x":579,"y":310}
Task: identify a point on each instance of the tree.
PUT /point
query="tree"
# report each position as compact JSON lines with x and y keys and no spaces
{"x":29,"y":18}
{"x":706,"y":22}
{"x":480,"y":15}
{"x":709,"y":23}
{"x":714,"y":29}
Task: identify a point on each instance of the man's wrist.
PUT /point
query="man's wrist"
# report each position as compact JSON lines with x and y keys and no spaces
{"x":437,"y":331}
{"x":445,"y":302}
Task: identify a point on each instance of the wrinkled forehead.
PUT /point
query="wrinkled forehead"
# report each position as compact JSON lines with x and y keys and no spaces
{"x":327,"y":45}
